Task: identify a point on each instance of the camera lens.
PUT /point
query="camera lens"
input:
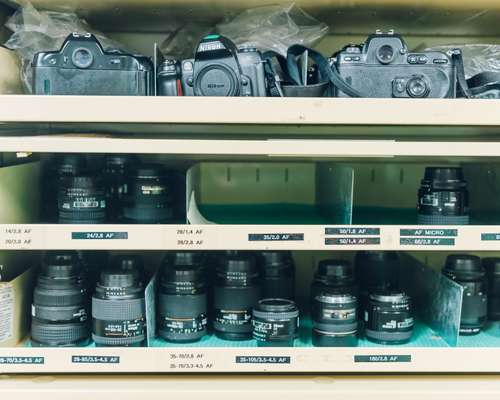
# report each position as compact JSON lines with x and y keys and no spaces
{"x":70,"y":164}
{"x":149,"y":199}
{"x":183,"y":298}
{"x":443,"y":198}
{"x":334,"y":275}
{"x":385,"y":54}
{"x":492,"y":267}
{"x":275,"y":322}
{"x":81,"y":200}
{"x":60,"y":302}
{"x":335,"y":320}
{"x":237,"y":290}
{"x":389,"y":318}
{"x":417,"y":87}
{"x":82,"y":58}
{"x":118,"y":305}
{"x":278,"y":274}
{"x":467,"y":271}
{"x":117,"y":167}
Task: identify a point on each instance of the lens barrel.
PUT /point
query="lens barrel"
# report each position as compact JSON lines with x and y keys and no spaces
{"x":389,"y":318}
{"x":443,"y":198}
{"x":118,"y":304}
{"x":116,"y":170}
{"x":183,"y":298}
{"x":237,"y":290}
{"x":61,"y":304}
{"x":275,"y":323}
{"x":278,"y":274}
{"x":149,"y":198}
{"x":335,"y":320}
{"x":467,"y":271}
{"x":334,"y":276}
{"x":492,"y":267}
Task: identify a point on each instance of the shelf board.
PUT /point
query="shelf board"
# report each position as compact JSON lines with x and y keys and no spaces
{"x":249,"y":237}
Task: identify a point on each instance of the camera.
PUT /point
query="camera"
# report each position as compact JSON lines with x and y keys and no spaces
{"x":383,"y":67}
{"x":82,"y":67}
{"x":218,"y":68}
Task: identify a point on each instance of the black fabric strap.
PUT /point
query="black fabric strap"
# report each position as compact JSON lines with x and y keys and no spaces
{"x":483,"y":82}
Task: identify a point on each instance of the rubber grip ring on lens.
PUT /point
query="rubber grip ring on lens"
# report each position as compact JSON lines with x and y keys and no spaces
{"x":57,"y":333}
{"x":58,"y":298}
{"x":388,"y":336}
{"x":117,"y":310}
{"x":335,"y":328}
{"x":423,"y":219}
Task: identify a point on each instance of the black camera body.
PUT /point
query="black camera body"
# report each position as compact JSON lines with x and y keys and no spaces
{"x":82,"y":67}
{"x":383,"y":67}
{"x":219,"y":68}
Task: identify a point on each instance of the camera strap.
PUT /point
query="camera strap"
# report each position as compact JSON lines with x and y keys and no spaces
{"x":458,"y":62}
{"x":484,"y":82}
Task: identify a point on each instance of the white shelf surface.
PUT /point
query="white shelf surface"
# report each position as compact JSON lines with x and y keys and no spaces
{"x":249,"y":237}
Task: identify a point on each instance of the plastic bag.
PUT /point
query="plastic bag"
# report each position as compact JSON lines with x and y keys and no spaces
{"x":181,"y":43}
{"x":35,"y":31}
{"x":477,"y":57}
{"x":274,"y":28}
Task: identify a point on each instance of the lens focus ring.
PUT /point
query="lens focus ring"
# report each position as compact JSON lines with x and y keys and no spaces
{"x":113,"y":310}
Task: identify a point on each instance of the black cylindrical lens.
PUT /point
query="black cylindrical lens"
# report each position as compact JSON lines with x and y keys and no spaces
{"x":467,"y":271}
{"x":443,"y":198}
{"x":118,"y":305}
{"x":81,"y":200}
{"x":334,"y":275}
{"x":183,"y":298}
{"x":389,"y":318}
{"x":275,"y":322}
{"x":149,"y":198}
{"x":61,"y":304}
{"x":492,"y":267}
{"x":335,"y":320}
{"x":278,"y":274}
{"x":237,"y":290}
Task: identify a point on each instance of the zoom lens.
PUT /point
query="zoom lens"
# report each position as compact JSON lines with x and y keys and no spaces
{"x":443,"y":198}
{"x":335,"y":320}
{"x":237,"y":290}
{"x":149,"y":199}
{"x":183,"y":298}
{"x":60,"y":307}
{"x":389,"y":318}
{"x":492,"y":267}
{"x":118,"y":305}
{"x":81,"y":200}
{"x":116,"y":170}
{"x":467,"y":271}
{"x":334,"y":276}
{"x":278,"y":274}
{"x":275,"y":323}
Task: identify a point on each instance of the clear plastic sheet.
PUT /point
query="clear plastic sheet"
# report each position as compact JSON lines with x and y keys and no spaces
{"x":35,"y":31}
{"x":274,"y":28}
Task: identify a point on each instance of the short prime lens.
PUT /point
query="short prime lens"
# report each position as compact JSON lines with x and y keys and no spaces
{"x":149,"y":198}
{"x":118,"y":305}
{"x":492,"y":267}
{"x":335,"y":320}
{"x":116,"y":170}
{"x":183,"y":298}
{"x":237,"y":290}
{"x":275,"y":323}
{"x":389,"y":318}
{"x":443,"y":198}
{"x":81,"y":200}
{"x":334,"y":275}
{"x":278,"y":274}
{"x":467,"y":271}
{"x":61,"y":304}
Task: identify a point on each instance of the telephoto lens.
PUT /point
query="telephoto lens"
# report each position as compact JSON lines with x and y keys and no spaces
{"x":118,"y":305}
{"x":389,"y":318}
{"x":149,"y":197}
{"x":278,"y":274}
{"x":443,"y":198}
{"x":117,"y":167}
{"x":466,"y":270}
{"x":335,"y":320}
{"x":334,"y":276}
{"x":81,"y":200}
{"x":183,"y":298}
{"x":237,"y":290}
{"x":492,"y":267}
{"x":275,"y":323}
{"x":61,"y":303}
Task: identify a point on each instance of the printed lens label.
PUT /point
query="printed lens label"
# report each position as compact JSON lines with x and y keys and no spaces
{"x":352,"y":231}
{"x":95,"y":360}
{"x":263,"y":360}
{"x":381,"y":358}
{"x":22,"y":360}
{"x":349,"y":241}
{"x":427,"y":242}
{"x":429,"y":232}
{"x":271,"y":237}
{"x":99,"y":235}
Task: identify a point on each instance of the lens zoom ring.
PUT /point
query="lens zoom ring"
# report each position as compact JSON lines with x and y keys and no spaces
{"x":115,"y":310}
{"x":442,"y":219}
{"x":60,"y":333}
{"x":58,"y":298}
